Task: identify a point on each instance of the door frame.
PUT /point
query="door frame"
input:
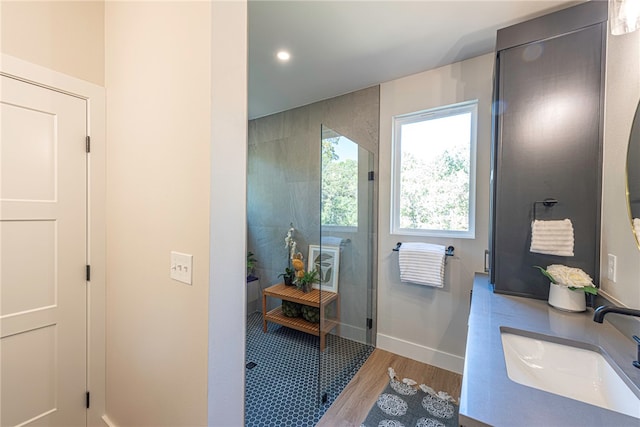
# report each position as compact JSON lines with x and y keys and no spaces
{"x":96,"y":210}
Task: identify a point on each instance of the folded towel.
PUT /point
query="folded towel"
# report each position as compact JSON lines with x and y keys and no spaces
{"x":636,"y":227}
{"x":422,"y":263}
{"x":552,"y":237}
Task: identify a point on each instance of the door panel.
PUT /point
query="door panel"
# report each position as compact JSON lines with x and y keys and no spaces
{"x":28,"y":170}
{"x":43,"y":174}
{"x":33,"y":266}
{"x":549,"y":147}
{"x":35,"y":375}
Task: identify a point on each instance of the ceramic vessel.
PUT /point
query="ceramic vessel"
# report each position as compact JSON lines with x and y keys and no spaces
{"x":305,"y":287}
{"x":563,"y":298}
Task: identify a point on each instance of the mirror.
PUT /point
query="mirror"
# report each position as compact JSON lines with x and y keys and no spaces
{"x":633,"y":176}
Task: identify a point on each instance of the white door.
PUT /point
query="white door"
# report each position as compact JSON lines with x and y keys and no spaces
{"x":43,"y":241}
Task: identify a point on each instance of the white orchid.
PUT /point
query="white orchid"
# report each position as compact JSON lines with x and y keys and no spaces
{"x":289,"y":237}
{"x":290,"y":243}
{"x":573,"y":278}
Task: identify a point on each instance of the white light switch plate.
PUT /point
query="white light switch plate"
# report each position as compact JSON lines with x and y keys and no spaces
{"x":181,"y":267}
{"x":611,"y":267}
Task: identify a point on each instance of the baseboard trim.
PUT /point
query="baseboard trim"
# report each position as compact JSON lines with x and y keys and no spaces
{"x":421,"y":353}
{"x":353,"y":333}
{"x":107,"y":422}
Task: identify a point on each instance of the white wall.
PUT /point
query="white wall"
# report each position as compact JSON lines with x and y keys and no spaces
{"x":422,"y":323}
{"x":158,"y":83}
{"x":228,"y":214}
{"x":161,"y":149}
{"x":65,"y":36}
{"x":622,"y":95}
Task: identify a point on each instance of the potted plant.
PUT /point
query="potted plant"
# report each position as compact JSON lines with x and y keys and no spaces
{"x":251,"y":265}
{"x":306,"y":281}
{"x":568,"y":287}
{"x":288,"y":276}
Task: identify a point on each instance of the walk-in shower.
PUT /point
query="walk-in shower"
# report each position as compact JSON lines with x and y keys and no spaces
{"x":320,"y":183}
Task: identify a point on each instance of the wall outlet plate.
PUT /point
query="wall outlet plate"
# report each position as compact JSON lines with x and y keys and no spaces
{"x":181,"y":267}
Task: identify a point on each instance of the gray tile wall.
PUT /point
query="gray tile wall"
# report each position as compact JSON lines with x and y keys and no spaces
{"x":283,"y":184}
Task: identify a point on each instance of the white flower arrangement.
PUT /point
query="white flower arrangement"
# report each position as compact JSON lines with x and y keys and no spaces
{"x":290,"y":243}
{"x":573,"y":278}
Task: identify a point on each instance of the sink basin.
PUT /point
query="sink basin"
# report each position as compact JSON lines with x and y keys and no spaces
{"x":564,"y":369}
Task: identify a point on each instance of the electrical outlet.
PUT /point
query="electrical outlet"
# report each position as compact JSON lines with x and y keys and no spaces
{"x":181,"y":266}
{"x":611,"y":267}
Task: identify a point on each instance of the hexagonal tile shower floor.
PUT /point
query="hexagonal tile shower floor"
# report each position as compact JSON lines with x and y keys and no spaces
{"x":282,"y":374}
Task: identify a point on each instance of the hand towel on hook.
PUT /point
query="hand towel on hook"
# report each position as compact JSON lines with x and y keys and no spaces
{"x":552,"y":237}
{"x":422,"y":263}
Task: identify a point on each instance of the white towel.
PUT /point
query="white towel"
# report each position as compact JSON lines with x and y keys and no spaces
{"x":636,"y":227}
{"x":422,"y":263}
{"x":552,"y":237}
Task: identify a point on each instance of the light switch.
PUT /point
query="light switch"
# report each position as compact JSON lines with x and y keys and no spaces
{"x":611,"y":267}
{"x":181,"y":267}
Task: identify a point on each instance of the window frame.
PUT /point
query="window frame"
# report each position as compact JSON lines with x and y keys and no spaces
{"x":396,"y":153}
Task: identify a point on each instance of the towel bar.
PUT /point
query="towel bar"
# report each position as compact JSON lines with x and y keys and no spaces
{"x":548,"y":202}
{"x":448,"y":252}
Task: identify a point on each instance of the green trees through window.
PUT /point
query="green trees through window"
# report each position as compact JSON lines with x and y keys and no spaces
{"x":442,"y":203}
{"x":339,"y":182}
{"x":434,"y":163}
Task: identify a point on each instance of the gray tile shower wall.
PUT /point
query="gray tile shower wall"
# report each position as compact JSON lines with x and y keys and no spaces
{"x":283,"y":183}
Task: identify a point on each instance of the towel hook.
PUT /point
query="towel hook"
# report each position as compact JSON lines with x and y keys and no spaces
{"x":548,"y":202}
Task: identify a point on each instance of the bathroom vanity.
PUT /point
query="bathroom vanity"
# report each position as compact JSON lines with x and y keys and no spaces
{"x":491,"y":397}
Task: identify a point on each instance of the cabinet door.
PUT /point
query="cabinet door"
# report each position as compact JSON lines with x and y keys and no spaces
{"x":549,"y":146}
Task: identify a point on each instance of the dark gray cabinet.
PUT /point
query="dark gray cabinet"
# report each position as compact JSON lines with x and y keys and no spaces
{"x":547,"y":142}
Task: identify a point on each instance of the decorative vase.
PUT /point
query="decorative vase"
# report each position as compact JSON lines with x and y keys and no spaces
{"x":563,"y":298}
{"x":305,"y":287}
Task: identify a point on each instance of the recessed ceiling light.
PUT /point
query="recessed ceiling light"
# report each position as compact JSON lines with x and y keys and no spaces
{"x":283,"y":55}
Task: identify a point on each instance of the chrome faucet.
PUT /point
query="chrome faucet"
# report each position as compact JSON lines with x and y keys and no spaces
{"x":600,"y":312}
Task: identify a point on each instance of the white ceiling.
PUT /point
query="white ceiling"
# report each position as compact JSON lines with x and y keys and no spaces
{"x":341,"y":46}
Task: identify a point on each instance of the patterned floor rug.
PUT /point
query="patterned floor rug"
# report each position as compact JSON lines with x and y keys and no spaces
{"x":407,"y":404}
{"x":283,"y":385}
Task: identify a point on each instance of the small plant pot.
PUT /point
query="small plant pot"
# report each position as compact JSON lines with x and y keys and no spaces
{"x":563,"y":298}
{"x":288,"y":280}
{"x":305,"y":287}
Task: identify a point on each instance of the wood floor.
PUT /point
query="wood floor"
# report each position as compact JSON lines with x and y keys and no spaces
{"x":353,"y":404}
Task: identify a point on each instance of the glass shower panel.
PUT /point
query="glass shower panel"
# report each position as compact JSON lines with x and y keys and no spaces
{"x":344,"y":260}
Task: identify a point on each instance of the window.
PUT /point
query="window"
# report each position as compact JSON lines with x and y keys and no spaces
{"x":339,"y":181}
{"x":433,"y":178}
